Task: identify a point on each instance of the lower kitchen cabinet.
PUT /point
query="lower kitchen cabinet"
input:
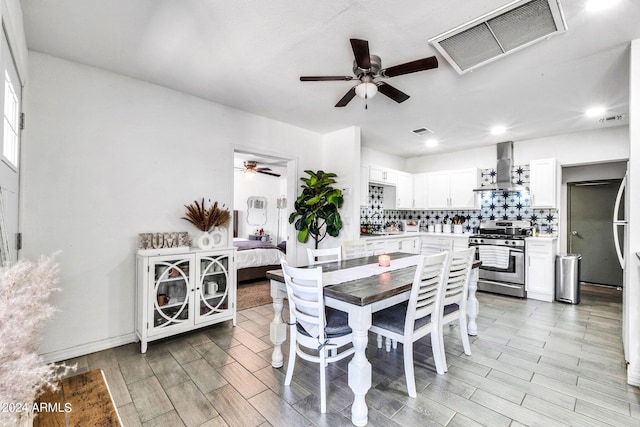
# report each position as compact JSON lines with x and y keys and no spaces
{"x":183,"y":291}
{"x":539,"y":267}
{"x":389,"y":244}
{"x":436,"y":242}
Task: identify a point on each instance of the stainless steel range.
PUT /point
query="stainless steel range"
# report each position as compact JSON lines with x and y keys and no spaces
{"x":500,"y":247}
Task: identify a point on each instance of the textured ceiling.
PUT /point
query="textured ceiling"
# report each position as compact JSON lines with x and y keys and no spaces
{"x":250,"y":54}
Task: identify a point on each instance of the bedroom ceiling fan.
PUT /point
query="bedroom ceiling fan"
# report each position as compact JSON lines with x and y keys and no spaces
{"x":251,"y":167}
{"x":367,"y":68}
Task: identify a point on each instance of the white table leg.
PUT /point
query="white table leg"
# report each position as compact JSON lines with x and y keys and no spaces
{"x":473,"y":307}
{"x":359,"y":367}
{"x":278,"y":328}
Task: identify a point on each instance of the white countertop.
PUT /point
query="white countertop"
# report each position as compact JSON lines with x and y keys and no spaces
{"x":405,"y":234}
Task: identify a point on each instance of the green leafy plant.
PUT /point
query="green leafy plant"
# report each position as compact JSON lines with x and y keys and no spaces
{"x":316,"y":209}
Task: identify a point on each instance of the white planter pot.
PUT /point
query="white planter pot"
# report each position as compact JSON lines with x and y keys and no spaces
{"x":205,"y":241}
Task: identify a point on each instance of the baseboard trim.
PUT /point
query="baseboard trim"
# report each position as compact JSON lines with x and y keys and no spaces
{"x":633,"y":376}
{"x":92,"y":347}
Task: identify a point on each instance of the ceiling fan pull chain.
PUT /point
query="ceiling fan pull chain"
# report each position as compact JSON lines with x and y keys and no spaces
{"x":365,"y":101}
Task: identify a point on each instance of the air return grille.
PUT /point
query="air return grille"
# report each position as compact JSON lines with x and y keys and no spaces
{"x":501,"y":32}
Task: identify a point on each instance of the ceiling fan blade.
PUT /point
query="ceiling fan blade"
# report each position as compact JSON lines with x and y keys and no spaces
{"x":392,"y":92}
{"x":325,"y":78}
{"x":411,"y":67}
{"x":268,"y":173}
{"x":347,"y":97}
{"x":361,"y":52}
{"x":263,"y":169}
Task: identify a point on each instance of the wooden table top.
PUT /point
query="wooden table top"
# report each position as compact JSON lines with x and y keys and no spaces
{"x":367,"y":290}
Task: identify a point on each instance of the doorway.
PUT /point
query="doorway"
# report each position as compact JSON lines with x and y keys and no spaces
{"x":11,"y":96}
{"x":590,"y":206}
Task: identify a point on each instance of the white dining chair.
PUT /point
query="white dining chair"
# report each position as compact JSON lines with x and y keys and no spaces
{"x":354,"y":249}
{"x":321,"y":256}
{"x":409,"y":321}
{"x":314,"y":329}
{"x":454,"y":300}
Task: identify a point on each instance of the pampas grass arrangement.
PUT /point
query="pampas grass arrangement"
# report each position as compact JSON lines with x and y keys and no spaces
{"x":205,"y":219}
{"x":25,"y":288}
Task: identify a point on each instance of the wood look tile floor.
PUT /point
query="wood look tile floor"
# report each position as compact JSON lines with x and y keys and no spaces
{"x":532,"y":363}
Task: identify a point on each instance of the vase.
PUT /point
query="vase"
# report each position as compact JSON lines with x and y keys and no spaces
{"x":219,"y":236}
{"x":205,"y":241}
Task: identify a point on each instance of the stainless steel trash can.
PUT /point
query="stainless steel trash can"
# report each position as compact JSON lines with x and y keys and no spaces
{"x":567,"y":278}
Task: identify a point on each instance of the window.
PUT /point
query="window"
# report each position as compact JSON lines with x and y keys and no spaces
{"x":11,"y":122}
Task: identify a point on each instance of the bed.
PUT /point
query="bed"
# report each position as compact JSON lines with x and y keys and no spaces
{"x":255,"y":257}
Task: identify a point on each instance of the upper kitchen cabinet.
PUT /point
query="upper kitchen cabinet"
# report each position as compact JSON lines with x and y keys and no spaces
{"x":453,"y":189}
{"x":404,"y":191}
{"x":384,"y":176}
{"x":543,"y":183}
{"x":420,"y":191}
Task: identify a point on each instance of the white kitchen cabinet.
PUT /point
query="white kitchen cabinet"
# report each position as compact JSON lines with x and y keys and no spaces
{"x":364,"y":186}
{"x":436,"y":242}
{"x":381,"y":175}
{"x":420,"y":191}
{"x":390,"y":244}
{"x":453,"y":189}
{"x":539,"y":268}
{"x":404,"y":191}
{"x":543,"y":183}
{"x":183,"y":291}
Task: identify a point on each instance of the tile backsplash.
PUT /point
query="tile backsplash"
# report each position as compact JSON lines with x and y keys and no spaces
{"x":493,"y":206}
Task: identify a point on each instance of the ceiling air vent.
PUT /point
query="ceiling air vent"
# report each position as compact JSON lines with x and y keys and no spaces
{"x":499,"y":33}
{"x":422,"y":131}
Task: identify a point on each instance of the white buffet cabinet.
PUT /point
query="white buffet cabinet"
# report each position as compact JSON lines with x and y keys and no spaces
{"x":540,"y":267}
{"x":183,"y":291}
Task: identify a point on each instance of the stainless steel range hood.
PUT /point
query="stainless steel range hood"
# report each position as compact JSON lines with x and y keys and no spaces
{"x":504,"y":168}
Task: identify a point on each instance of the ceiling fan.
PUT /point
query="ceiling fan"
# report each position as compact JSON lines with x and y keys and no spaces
{"x":367,"y":68}
{"x":251,"y":167}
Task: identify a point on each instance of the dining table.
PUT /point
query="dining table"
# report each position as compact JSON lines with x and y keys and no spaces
{"x":360,"y":287}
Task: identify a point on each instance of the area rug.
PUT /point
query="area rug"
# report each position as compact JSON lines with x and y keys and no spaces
{"x":81,"y":400}
{"x":254,"y":294}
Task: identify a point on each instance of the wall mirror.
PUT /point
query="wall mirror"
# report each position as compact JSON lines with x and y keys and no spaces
{"x":256,"y":210}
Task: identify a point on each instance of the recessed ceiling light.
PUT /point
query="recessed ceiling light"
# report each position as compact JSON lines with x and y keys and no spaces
{"x":431,"y":142}
{"x":498,"y":130}
{"x":595,"y":111}
{"x":598,"y":5}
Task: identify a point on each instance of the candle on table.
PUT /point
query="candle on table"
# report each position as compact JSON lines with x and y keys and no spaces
{"x":384,"y":260}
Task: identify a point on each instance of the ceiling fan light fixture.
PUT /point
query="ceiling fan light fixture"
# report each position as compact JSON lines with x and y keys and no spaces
{"x":366,"y":90}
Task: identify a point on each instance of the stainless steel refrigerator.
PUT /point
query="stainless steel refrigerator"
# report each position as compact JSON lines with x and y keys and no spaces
{"x":620,"y":237}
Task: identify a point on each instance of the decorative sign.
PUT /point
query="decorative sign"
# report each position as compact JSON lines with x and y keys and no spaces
{"x":165,"y":240}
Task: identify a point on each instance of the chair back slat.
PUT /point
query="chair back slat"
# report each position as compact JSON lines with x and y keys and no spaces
{"x":306,"y":301}
{"x":427,"y":285}
{"x":458,"y":278}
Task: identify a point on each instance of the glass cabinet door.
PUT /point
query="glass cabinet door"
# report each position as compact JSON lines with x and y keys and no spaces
{"x":171,"y":294}
{"x":212,"y":292}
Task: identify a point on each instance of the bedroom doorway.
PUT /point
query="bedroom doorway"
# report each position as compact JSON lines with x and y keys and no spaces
{"x":262,"y":191}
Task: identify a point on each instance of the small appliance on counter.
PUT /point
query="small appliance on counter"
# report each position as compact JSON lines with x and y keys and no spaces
{"x":411,"y":225}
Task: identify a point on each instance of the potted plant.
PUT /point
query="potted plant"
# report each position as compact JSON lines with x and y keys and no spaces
{"x":316,"y":209}
{"x":25,"y":309}
{"x":207,"y":219}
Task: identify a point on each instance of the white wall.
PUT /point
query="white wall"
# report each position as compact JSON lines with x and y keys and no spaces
{"x":602,"y":145}
{"x":632,"y":249}
{"x":261,"y":185}
{"x":106,"y":157}
{"x":369,"y":156}
{"x":341,"y":155}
